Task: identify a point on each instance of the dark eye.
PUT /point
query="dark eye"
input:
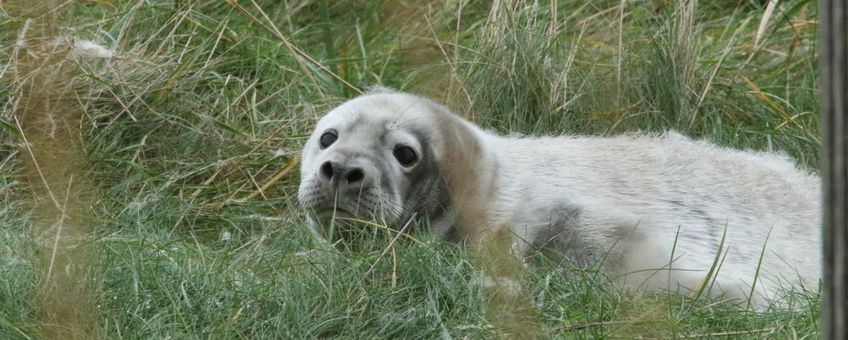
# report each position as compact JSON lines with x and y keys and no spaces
{"x":405,"y":155}
{"x":328,"y":138}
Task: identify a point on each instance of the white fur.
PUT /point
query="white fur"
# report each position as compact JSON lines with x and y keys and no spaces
{"x":642,"y":199}
{"x":668,"y":190}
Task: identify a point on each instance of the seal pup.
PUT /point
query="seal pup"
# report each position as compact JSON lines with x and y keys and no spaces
{"x":654,"y":211}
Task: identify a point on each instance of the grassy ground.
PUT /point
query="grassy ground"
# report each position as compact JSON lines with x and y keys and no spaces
{"x":150,"y":195}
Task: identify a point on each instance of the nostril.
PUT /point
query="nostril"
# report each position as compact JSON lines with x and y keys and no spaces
{"x":355,"y":175}
{"x":327,"y":170}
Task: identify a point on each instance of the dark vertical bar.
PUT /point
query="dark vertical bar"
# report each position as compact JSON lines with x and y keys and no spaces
{"x":833,"y":80}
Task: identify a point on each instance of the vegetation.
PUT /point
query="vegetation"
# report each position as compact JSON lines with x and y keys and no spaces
{"x":152,"y":193}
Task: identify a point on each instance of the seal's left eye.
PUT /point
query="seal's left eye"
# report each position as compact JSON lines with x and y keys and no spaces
{"x":328,"y":138}
{"x":405,"y":155}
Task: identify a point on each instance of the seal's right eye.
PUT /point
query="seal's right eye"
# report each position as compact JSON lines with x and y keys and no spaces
{"x":328,"y":138}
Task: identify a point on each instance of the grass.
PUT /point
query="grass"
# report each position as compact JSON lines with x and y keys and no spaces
{"x":177,"y":221}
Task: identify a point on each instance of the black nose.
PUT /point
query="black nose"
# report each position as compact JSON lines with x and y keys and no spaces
{"x":333,"y":171}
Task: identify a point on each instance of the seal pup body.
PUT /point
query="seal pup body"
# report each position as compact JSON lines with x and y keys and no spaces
{"x":653,"y":211}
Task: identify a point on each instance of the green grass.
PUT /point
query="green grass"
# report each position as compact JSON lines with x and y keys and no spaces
{"x":174,"y":138}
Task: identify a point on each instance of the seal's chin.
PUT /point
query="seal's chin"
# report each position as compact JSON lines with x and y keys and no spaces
{"x":328,"y":215}
{"x":331,"y":213}
{"x":343,"y":228}
{"x":337,"y":223}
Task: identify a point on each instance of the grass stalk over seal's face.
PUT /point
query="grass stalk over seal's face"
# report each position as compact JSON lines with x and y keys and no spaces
{"x":179,"y":145}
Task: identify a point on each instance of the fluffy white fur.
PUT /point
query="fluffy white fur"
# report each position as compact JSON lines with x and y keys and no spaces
{"x":650,"y":210}
{"x":678,"y":197}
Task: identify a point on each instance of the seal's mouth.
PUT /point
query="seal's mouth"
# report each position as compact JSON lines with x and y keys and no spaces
{"x":345,"y":214}
{"x":338,"y":224}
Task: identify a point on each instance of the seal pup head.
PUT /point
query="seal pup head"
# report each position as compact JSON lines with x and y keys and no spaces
{"x":377,"y":157}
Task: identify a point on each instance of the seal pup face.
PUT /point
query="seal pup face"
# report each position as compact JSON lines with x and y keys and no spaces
{"x":373,"y":158}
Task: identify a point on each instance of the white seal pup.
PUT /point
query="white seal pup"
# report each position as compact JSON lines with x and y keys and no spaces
{"x":655,"y":212}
